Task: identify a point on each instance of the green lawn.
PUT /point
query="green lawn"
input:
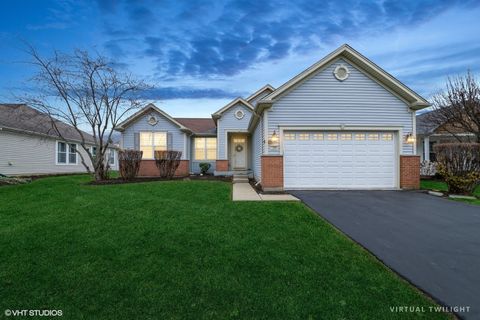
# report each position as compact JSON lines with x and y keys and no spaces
{"x":177,"y":250}
{"x":442,"y":186}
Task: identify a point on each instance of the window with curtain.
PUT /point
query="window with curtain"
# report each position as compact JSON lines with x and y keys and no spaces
{"x":152,"y":141}
{"x":205,"y":148}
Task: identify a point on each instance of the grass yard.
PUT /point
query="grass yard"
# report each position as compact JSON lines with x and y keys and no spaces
{"x":442,"y":186}
{"x":183,"y":250}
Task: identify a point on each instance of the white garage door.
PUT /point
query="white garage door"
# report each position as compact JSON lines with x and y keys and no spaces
{"x":339,"y":160}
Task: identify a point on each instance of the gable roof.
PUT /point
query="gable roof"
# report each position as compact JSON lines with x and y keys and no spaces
{"x":414,"y":100}
{"x":199,"y":125}
{"x":218,"y":113}
{"x":24,"y":119}
{"x":266,"y":88}
{"x":142,"y":112}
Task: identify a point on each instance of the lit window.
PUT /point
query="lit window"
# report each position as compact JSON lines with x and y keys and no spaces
{"x":66,"y":153}
{"x":387,"y":136}
{"x":332,"y":136}
{"x":303,"y":136}
{"x":205,"y":148}
{"x":152,"y":141}
{"x":318,"y":136}
{"x":289,"y":136}
{"x":346,"y":136}
{"x":359,"y":136}
{"x":373,"y":136}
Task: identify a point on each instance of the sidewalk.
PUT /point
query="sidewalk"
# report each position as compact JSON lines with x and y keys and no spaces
{"x":244,"y":192}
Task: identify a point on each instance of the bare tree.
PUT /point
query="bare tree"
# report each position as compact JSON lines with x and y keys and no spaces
{"x":84,"y":91}
{"x":456,"y":109}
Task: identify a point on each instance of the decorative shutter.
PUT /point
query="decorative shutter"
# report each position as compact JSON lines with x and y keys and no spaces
{"x":169,"y":141}
{"x":136,"y":141}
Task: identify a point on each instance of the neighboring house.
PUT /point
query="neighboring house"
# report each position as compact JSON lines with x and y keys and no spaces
{"x":429,"y":134}
{"x":343,"y":123}
{"x":30,"y":146}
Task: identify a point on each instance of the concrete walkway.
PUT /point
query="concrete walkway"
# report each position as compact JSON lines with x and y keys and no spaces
{"x":244,"y":192}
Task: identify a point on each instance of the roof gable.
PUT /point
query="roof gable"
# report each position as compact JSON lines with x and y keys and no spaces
{"x":145,"y":110}
{"x":267,"y":89}
{"x":414,"y":100}
{"x":218,"y":113}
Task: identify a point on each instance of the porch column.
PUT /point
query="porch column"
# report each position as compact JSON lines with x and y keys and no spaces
{"x":426,"y":148}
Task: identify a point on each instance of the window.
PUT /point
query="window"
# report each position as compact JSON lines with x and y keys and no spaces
{"x":111,"y":157}
{"x":346,"y":136}
{"x":359,"y":136}
{"x":387,"y":136}
{"x":373,"y":136}
{"x":289,"y":136}
{"x":152,"y":141}
{"x":93,"y":151}
{"x":205,"y":148}
{"x":303,"y":136}
{"x":332,"y":136}
{"x":66,"y":153}
{"x":318,"y":136}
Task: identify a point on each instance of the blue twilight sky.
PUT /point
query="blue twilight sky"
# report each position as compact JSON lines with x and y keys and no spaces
{"x":201,"y":54}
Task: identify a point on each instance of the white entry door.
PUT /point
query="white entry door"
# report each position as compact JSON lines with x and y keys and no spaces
{"x":239,"y":151}
{"x":339,"y":160}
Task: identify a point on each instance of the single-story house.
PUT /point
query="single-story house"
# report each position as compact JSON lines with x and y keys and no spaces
{"x":343,"y":123}
{"x":29,"y":145}
{"x":429,"y":134}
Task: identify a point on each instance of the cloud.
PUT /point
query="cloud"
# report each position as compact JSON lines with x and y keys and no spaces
{"x":171,"y":93}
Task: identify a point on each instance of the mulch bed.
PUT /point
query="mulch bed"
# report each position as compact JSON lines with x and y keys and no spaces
{"x":152,"y":179}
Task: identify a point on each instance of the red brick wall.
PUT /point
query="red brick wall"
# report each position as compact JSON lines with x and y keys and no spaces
{"x":272,"y":172}
{"x":149,"y":169}
{"x":221,"y":165}
{"x":410,"y":172}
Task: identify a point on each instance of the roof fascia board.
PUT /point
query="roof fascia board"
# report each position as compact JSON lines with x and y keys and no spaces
{"x":260,"y":91}
{"x":218,"y":113}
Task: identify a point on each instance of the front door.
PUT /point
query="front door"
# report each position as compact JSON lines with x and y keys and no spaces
{"x":239,"y":151}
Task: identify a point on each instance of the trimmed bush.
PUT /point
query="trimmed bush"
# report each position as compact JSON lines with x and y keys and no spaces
{"x":204,"y":166}
{"x":167,"y":162}
{"x":129,"y":163}
{"x":459,"y":165}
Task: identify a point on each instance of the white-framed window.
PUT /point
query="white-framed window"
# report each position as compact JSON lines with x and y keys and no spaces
{"x":289,"y":136}
{"x":205,"y":148}
{"x":387,"y":136}
{"x":359,"y":136}
{"x":66,"y":153}
{"x":303,"y":136}
{"x":332,"y":136}
{"x":111,"y":157}
{"x":373,"y":136}
{"x":318,"y":136}
{"x":151,"y":142}
{"x":93,"y":151}
{"x":346,"y":136}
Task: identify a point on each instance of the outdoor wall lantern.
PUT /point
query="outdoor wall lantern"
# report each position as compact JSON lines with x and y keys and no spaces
{"x":273,"y":141}
{"x":409,"y":138}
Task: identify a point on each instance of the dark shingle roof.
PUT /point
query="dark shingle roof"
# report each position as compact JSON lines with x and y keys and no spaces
{"x":424,"y":125}
{"x":199,"y":125}
{"x":21,"y":117}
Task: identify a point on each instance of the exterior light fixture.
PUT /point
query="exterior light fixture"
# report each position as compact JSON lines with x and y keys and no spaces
{"x":409,"y":138}
{"x":273,"y":141}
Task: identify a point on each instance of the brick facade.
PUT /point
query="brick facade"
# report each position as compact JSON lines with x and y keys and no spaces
{"x":410,"y":172}
{"x":272,"y":173}
{"x":221,"y":165}
{"x":149,"y":169}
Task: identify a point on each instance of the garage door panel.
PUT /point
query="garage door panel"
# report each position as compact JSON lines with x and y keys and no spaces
{"x":351,"y":160}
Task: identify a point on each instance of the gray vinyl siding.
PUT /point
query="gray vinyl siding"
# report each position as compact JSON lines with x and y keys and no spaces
{"x":258,"y":98}
{"x":228,"y":122}
{"x":322,"y":100}
{"x":22,"y":154}
{"x":257,"y":150}
{"x":163,"y":125}
{"x":194,"y":164}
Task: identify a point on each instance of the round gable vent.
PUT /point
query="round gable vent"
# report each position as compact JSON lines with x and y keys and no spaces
{"x":341,"y":72}
{"x":152,"y":120}
{"x":239,"y":114}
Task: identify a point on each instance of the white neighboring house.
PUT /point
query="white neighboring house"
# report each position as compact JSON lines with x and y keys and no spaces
{"x":30,"y":146}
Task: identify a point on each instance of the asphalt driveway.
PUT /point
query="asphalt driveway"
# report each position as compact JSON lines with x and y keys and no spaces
{"x":432,"y":242}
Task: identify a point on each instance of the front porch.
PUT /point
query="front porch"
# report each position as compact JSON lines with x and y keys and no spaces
{"x":238,"y":154}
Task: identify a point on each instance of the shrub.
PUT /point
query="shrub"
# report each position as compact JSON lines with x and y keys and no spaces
{"x":129,"y":163}
{"x":167,"y":162}
{"x":459,"y":165}
{"x":428,"y":168}
{"x":204,"y":166}
{"x":4,"y":180}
